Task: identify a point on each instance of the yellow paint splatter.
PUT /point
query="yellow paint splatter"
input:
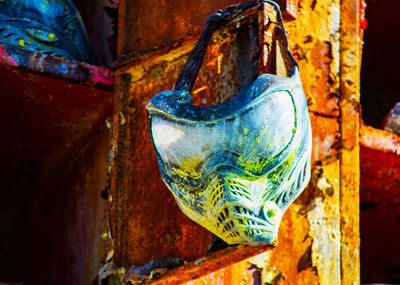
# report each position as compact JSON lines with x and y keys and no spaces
{"x":21,"y":42}
{"x":51,"y":36}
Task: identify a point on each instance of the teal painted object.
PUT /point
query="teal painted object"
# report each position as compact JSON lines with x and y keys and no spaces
{"x":234,"y":168}
{"x":52,"y":27}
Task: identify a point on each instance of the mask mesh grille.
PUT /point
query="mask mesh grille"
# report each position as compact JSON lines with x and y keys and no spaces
{"x":239,"y":222}
{"x":237,"y":189}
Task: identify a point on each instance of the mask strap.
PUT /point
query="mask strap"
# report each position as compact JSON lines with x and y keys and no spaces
{"x":188,"y":74}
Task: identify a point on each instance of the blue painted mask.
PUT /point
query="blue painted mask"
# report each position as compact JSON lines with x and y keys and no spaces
{"x":234,"y":168}
{"x":53,"y":27}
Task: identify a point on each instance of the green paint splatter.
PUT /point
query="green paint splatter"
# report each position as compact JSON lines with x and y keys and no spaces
{"x":271,"y":213}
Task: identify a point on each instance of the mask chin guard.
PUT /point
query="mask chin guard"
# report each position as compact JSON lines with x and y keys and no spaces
{"x":234,"y":168}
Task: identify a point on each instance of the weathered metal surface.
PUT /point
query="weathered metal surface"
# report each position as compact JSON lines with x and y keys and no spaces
{"x":309,"y":241}
{"x":150,"y":25}
{"x":350,"y":62}
{"x":380,"y":206}
{"x":315,"y":45}
{"x":54,"y":151}
{"x":58,"y":67}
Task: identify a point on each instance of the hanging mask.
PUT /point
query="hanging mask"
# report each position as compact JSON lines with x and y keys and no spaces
{"x":234,"y":168}
{"x":53,"y":27}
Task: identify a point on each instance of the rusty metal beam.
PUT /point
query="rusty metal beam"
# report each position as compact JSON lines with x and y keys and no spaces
{"x":350,"y":62}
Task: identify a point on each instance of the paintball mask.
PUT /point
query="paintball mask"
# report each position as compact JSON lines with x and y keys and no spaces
{"x":234,"y":168}
{"x":52,"y":27}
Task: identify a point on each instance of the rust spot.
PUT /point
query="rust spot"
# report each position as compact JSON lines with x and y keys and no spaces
{"x":305,"y":261}
{"x":314,"y":2}
{"x":255,"y":273}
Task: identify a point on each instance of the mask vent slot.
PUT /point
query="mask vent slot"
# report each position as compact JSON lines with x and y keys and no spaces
{"x":243,"y":210}
{"x":216,"y":194}
{"x":297,"y":184}
{"x":238,"y":189}
{"x":234,"y":234}
{"x":252,"y":232}
{"x":228,"y":226}
{"x":223,"y":215}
